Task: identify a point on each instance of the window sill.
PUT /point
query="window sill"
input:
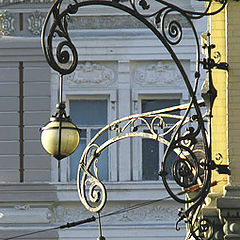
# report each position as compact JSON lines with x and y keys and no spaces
{"x":67,"y":192}
{"x":120,"y":191}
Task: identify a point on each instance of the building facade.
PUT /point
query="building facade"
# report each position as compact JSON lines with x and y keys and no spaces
{"x":123,"y":69}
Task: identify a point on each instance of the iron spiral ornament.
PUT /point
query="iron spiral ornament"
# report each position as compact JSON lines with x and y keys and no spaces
{"x":180,"y":162}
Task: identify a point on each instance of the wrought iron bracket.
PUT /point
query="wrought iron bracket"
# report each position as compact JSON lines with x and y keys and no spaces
{"x":222,"y":66}
{"x":209,"y":92}
{"x":189,"y":172}
{"x":211,"y":64}
{"x":221,"y":168}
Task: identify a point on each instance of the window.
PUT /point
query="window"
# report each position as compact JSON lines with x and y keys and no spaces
{"x":152,"y":151}
{"x":90,"y":116}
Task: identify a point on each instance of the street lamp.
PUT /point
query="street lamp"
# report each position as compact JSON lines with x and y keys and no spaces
{"x":190,"y":173}
{"x":60,"y":137}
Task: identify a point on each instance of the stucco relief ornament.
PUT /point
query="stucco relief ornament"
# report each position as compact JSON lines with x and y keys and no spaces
{"x":6,"y":23}
{"x":22,"y":207}
{"x":158,"y":74}
{"x":91,"y":74}
{"x":35,"y":22}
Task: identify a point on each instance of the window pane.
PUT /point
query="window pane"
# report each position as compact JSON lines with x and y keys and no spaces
{"x":152,"y":105}
{"x":76,"y":156}
{"x":102,"y":164}
{"x":150,"y":159}
{"x":88,"y":112}
{"x":171,"y":158}
{"x":156,"y":104}
{"x":151,"y":155}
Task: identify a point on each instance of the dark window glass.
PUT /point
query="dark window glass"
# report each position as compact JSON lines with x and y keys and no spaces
{"x":90,"y":116}
{"x":152,"y":151}
{"x":89,"y":112}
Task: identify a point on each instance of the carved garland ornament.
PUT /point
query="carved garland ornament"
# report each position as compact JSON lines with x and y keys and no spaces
{"x":91,"y":74}
{"x":158,"y":74}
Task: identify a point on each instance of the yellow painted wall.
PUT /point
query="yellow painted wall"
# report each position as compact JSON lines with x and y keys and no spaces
{"x":233,"y":89}
{"x":217,"y":28}
{"x":225,"y":31}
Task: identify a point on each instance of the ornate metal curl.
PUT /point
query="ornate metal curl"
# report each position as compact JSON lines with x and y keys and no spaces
{"x":96,"y":190}
{"x":200,"y":228}
{"x":66,"y":58}
{"x":186,"y":169}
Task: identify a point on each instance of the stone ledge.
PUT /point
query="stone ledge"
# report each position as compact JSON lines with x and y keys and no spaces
{"x":229,"y":203}
{"x":121,"y":191}
{"x":232,"y":191}
{"x":27,"y":192}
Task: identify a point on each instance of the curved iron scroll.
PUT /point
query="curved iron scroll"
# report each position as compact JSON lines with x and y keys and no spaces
{"x":187,"y":169}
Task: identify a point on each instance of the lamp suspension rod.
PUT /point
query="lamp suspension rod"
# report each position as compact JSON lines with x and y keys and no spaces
{"x":60,"y":89}
{"x":60,"y":103}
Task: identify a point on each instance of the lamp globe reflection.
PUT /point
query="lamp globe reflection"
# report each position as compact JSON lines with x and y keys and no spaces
{"x":60,"y":137}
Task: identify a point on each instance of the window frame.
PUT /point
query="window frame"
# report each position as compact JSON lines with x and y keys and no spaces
{"x":138,"y":97}
{"x":88,"y":128}
{"x":110,"y":96}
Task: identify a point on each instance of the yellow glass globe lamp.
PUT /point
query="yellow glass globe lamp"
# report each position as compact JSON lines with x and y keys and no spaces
{"x":60,"y":137}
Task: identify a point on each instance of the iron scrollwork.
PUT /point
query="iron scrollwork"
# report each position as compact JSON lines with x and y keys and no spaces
{"x":191,"y":172}
{"x":200,"y":228}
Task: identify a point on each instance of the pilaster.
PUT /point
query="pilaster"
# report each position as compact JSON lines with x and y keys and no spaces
{"x":229,"y":205}
{"x":217,"y":28}
{"x":211,"y":212}
{"x":233,"y":88}
{"x":124,"y":109}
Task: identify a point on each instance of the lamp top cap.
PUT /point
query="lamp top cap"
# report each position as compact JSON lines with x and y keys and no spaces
{"x":63,"y":119}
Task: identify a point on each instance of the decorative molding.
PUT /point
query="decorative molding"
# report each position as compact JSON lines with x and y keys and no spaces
{"x":163,"y":212}
{"x":158,"y":74}
{"x":6,"y":23}
{"x":229,"y":206}
{"x":91,"y":74}
{"x":35,"y":23}
{"x":113,"y":105}
{"x":22,"y":207}
{"x":117,"y":22}
{"x":21,"y":214}
{"x":68,"y":213}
